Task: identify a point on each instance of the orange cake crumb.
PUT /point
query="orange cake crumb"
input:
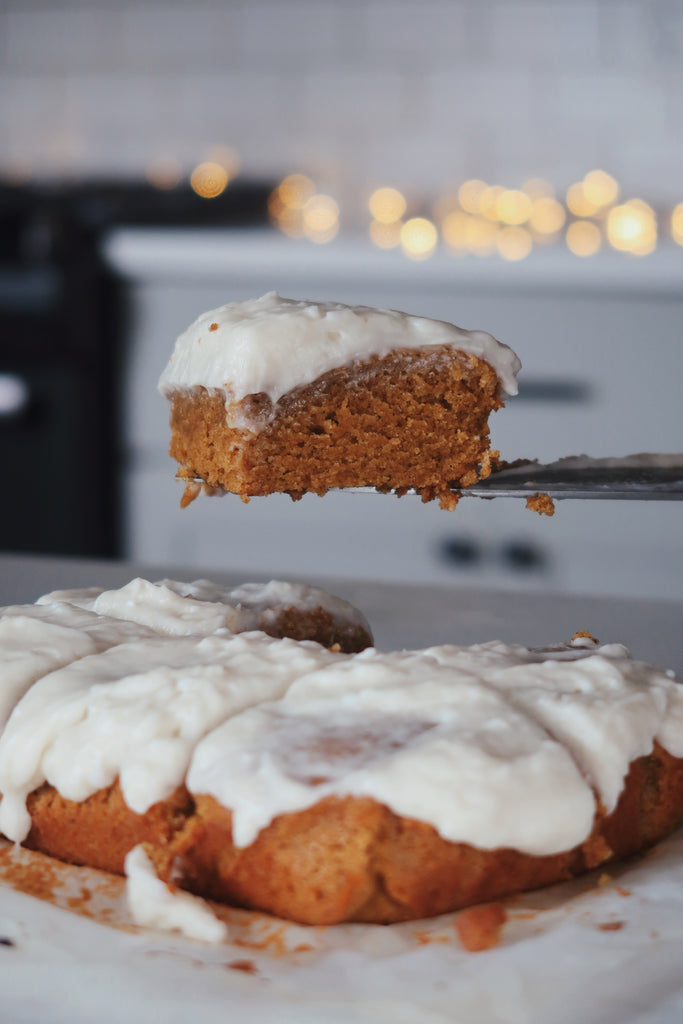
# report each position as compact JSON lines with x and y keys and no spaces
{"x":480,"y":927}
{"x":541,"y":503}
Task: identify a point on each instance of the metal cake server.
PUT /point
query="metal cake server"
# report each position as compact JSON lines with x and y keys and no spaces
{"x":634,"y":478}
{"x":644,"y":477}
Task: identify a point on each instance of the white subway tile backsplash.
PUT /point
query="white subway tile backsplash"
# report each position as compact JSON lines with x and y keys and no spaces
{"x":612,"y":99}
{"x":349,"y":100}
{"x":629,"y":34}
{"x":411,"y":37}
{"x":179,"y":40}
{"x":537,"y":34}
{"x":249,"y":103}
{"x":355,"y":89}
{"x":294,"y":34}
{"x":58,"y":39}
{"x":471,"y":97}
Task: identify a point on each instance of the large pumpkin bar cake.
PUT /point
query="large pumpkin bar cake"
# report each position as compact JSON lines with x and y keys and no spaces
{"x":142,"y":733}
{"x":276,"y":395}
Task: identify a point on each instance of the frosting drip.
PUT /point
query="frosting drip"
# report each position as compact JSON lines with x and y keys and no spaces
{"x":154,"y":905}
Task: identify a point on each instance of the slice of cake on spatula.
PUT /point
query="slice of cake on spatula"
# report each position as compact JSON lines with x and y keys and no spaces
{"x":277,"y":395}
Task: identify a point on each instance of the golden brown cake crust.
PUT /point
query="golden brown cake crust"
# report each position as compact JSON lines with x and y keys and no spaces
{"x":412,"y":419}
{"x":348,"y":859}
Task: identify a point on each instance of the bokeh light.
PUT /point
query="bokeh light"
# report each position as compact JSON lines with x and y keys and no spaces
{"x":387,"y":205}
{"x":455,"y":229}
{"x":600,"y":188}
{"x":481,"y":236}
{"x":488,"y":201}
{"x":418,"y":238}
{"x":514,"y":243}
{"x":385,"y":236}
{"x":320,"y":218}
{"x":578,"y":202}
{"x":547,"y":215}
{"x":295,"y":190}
{"x":583,"y":238}
{"x":470,"y":193}
{"x":513,"y":207}
{"x":290,"y":222}
{"x":165,"y":173}
{"x":209,"y":179}
{"x":632,"y":227}
{"x":677,"y":224}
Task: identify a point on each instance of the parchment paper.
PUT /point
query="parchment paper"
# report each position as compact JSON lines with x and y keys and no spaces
{"x":606,"y":949}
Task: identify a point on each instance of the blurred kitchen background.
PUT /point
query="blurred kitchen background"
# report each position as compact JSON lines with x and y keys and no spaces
{"x":511,"y":166}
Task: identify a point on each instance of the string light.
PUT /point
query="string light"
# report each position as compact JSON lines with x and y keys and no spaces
{"x":209,"y":179}
{"x":164,"y":173}
{"x":513,"y":207}
{"x":677,"y":224}
{"x":287,"y":201}
{"x":418,"y":238}
{"x":455,"y":229}
{"x":478,"y":218}
{"x":385,"y":236}
{"x":320,"y":218}
{"x":578,"y":202}
{"x":295,"y":190}
{"x":470,"y":193}
{"x":488,"y":201}
{"x":514,"y":243}
{"x":632,"y":227}
{"x":547,"y":215}
{"x":600,"y":188}
{"x":387,"y":205}
{"x":583,"y":238}
{"x":481,"y":236}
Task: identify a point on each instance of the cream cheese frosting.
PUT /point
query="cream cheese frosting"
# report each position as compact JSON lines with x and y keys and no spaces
{"x":153,"y":904}
{"x":272,"y":345}
{"x":489,"y":744}
{"x":201,"y":607}
{"x":135,"y":713}
{"x":495,"y":745}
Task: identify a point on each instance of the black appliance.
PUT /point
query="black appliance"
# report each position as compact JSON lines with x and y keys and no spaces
{"x":62,"y":345}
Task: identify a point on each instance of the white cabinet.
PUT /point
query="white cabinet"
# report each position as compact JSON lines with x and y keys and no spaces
{"x":603,"y":367}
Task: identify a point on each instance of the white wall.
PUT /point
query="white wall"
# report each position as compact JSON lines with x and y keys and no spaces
{"x":359,"y":90}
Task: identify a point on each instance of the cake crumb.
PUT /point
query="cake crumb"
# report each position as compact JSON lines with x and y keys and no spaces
{"x":192,"y":490}
{"x":584,"y":634}
{"x":611,"y":926}
{"x":213,"y":327}
{"x":245,"y":966}
{"x":449,"y":500}
{"x":479,"y":927}
{"x":541,"y":503}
